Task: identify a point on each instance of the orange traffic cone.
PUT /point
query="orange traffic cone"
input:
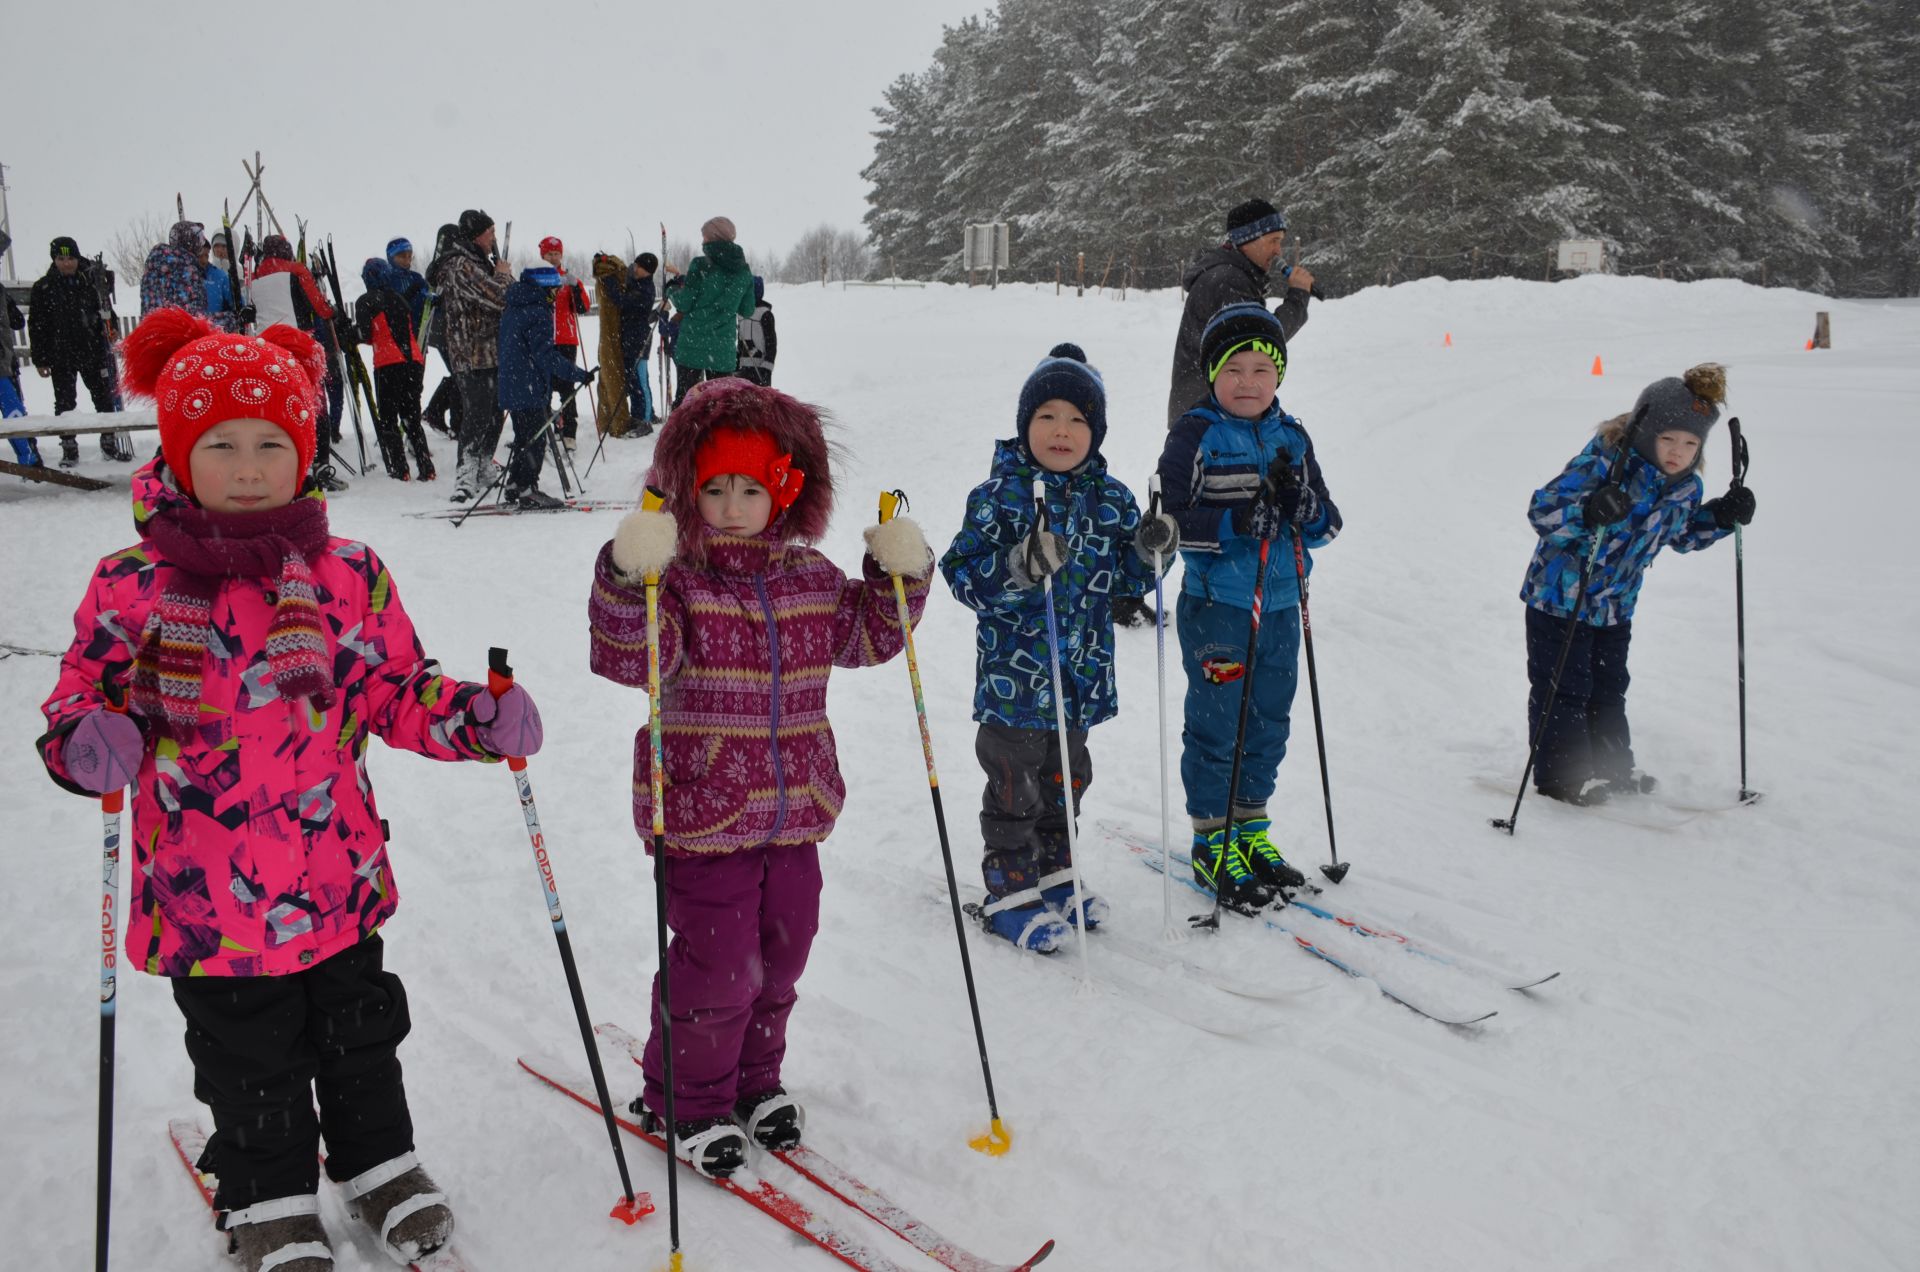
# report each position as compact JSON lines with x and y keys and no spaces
{"x":1596,"y":365}
{"x":1449,"y":341}
{"x":1809,"y":342}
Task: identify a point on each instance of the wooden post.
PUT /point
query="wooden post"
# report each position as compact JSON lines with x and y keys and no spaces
{"x":823,"y":269}
{"x":1822,"y":332}
{"x":1056,"y":278}
{"x":1079,"y":274}
{"x":1476,"y":262}
{"x":1128,"y":280}
{"x":1103,"y":275}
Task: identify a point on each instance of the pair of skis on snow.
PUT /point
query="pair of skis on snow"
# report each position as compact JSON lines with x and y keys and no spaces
{"x":1307,"y":924}
{"x":513,"y":510}
{"x":780,"y":1204}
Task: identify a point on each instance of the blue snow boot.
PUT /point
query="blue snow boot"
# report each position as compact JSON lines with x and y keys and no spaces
{"x":1014,"y":908}
{"x":1056,"y":885}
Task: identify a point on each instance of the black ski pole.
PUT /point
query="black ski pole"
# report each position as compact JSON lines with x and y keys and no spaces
{"x":500,"y":478}
{"x":1747,"y":794}
{"x":1512,"y":820}
{"x":111,"y":804}
{"x":630,"y":1208}
{"x":349,"y":357}
{"x":1210,"y":921}
{"x":1337,"y":869}
{"x":997,"y":1140}
{"x":653,"y":501}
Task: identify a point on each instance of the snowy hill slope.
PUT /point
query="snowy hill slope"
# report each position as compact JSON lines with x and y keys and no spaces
{"x":1721,"y":1078}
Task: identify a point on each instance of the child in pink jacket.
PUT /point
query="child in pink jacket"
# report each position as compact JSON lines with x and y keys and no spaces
{"x":256,"y":654}
{"x":751,"y":622}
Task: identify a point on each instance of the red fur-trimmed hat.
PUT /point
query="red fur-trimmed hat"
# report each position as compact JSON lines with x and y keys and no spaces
{"x":199,"y":377}
{"x":751,"y":452}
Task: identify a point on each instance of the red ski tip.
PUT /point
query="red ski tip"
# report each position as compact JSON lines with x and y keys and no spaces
{"x":632,"y":1212}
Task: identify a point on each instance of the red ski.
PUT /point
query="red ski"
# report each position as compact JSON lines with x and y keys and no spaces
{"x":841,"y":1185}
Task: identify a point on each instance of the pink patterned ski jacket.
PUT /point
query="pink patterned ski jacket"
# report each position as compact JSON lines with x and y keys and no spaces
{"x":257,"y":848}
{"x":749,"y":753}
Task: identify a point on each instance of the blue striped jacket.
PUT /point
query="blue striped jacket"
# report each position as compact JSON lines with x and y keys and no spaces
{"x":1213,"y":462}
{"x":1666,"y":511}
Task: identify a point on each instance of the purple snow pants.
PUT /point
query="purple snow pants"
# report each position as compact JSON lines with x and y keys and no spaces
{"x":742,"y":925}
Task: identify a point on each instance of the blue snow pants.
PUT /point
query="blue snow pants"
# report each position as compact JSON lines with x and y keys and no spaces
{"x":1587,"y":735}
{"x":1213,"y":652}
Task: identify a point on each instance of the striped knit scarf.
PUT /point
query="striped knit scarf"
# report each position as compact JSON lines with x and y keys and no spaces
{"x":202,"y":549}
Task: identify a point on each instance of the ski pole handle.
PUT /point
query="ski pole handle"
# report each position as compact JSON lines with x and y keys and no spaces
{"x":1740,"y":457}
{"x":652,"y":500}
{"x":1153,"y":495}
{"x":499,"y":680}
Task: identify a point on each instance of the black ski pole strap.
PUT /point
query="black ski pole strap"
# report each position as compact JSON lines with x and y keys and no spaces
{"x":1740,"y":456}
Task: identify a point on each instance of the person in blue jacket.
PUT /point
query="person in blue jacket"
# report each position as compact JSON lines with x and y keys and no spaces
{"x":1636,"y":486}
{"x":406,"y":280}
{"x":529,"y":365}
{"x":1238,"y":472}
{"x":1094,"y":547}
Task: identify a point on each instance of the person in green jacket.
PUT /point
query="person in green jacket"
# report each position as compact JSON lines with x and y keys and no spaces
{"x":718,"y":290}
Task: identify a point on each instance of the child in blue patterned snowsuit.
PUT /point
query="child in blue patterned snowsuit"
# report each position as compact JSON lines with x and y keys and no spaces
{"x":1238,"y":471}
{"x":1638,"y":503}
{"x":1094,"y":547}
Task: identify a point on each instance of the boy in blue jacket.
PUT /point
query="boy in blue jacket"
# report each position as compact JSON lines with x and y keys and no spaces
{"x":1636,"y":485}
{"x":1095,"y":547}
{"x":530,"y":364}
{"x":1239,"y":475}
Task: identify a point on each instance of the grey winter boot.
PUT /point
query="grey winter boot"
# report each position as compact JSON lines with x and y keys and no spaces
{"x":283,"y":1235}
{"x":399,"y":1202}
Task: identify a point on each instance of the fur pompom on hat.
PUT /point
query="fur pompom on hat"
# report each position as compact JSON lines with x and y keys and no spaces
{"x":793,"y":429}
{"x":199,"y":377}
{"x":1687,"y":403}
{"x":1064,"y":374}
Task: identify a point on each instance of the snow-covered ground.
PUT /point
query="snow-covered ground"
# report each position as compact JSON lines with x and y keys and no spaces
{"x":1721,"y":1078}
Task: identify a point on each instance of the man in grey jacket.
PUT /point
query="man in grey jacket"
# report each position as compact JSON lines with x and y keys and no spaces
{"x":1233,"y":273}
{"x":473,"y":288}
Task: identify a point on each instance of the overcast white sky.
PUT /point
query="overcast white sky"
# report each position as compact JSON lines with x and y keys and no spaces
{"x":582,"y":118}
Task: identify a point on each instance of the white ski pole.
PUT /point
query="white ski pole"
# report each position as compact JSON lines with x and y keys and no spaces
{"x":1066,"y":749}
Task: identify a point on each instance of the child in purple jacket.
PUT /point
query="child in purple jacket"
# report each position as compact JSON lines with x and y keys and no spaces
{"x":752,"y":620}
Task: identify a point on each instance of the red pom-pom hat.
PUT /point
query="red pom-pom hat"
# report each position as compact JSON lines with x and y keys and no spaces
{"x":199,"y":377}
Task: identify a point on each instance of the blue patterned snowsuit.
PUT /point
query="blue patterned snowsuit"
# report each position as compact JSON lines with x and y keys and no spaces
{"x":1588,"y":735}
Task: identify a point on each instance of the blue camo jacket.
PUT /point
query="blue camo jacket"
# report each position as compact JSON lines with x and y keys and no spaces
{"x":1666,"y":510}
{"x":1013,"y":670}
{"x":1213,"y":462}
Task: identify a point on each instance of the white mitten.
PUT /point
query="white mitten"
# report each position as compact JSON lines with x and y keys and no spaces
{"x":898,"y":547}
{"x":644,"y":543}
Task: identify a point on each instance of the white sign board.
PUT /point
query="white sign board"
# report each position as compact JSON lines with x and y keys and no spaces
{"x":987,"y":246}
{"x":1582,"y":256}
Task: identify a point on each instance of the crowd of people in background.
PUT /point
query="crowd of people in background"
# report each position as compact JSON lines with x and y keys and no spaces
{"x":509,"y":343}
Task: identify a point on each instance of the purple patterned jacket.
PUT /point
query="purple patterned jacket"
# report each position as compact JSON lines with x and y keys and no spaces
{"x":749,"y":753}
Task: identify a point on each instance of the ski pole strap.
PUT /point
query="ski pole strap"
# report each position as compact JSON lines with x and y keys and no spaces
{"x":1740,"y":456}
{"x":892,"y":504}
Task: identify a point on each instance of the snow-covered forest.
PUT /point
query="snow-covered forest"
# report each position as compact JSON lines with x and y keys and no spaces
{"x":1773,"y":141}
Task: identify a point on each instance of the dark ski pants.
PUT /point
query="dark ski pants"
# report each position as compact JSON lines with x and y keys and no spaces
{"x":443,"y":408}
{"x":569,"y":422}
{"x":743,"y":924}
{"x":1587,"y":735}
{"x":480,"y":422}
{"x":397,"y":389}
{"x":263,"y":1047}
{"x":686,"y":377}
{"x":531,"y":437}
{"x":66,"y":396}
{"x":1213,"y":652}
{"x":1023,"y":812}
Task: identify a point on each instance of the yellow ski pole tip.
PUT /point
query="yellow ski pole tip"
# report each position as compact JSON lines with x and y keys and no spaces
{"x":995,"y":1143}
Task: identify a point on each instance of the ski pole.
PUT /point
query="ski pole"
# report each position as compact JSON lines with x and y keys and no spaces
{"x":997,"y":1140}
{"x":1066,"y":749}
{"x":1337,"y":869}
{"x":1747,"y":794}
{"x":653,"y":501}
{"x":1210,"y":921}
{"x":500,"y":478}
{"x":631,"y":1208}
{"x":1167,"y":928}
{"x":1512,"y":820}
{"x":111,"y":804}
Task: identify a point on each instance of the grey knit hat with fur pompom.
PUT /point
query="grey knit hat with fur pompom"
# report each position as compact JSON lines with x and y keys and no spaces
{"x":1680,"y":404}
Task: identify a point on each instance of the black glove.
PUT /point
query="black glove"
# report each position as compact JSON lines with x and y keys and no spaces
{"x":248,"y":316}
{"x":1735,"y":508}
{"x":592,"y":374}
{"x":1037,"y":557}
{"x":1294,"y":499}
{"x":1607,"y":504}
{"x":343,"y":329}
{"x":1157,"y":535}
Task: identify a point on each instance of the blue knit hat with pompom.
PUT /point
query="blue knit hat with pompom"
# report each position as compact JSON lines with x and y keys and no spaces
{"x":1064,"y":374}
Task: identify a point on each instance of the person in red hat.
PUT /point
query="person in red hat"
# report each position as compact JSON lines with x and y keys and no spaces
{"x":752,"y":619}
{"x":571,"y":301}
{"x":253,"y":653}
